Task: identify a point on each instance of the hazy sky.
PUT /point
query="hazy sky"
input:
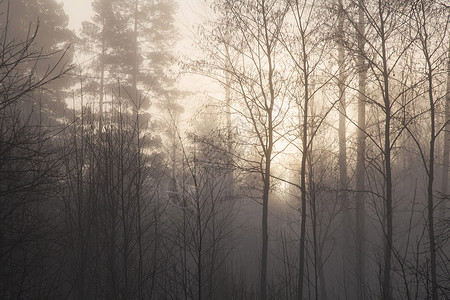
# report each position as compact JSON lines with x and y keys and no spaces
{"x":78,"y":11}
{"x":189,"y":12}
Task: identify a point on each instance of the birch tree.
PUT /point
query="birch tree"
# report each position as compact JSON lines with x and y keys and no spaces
{"x":254,"y":75}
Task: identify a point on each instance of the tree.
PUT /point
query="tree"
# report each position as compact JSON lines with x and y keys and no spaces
{"x":107,"y":39}
{"x":133,"y":41}
{"x":251,"y":61}
{"x":112,"y":211}
{"x":202,"y":218}
{"x":446,"y":151}
{"x":307,"y":52}
{"x":44,"y":25}
{"x":386,"y":23}
{"x":29,"y":163}
{"x":430,"y":40}
{"x":154,"y":34}
{"x":360,"y":163}
{"x":343,"y":176}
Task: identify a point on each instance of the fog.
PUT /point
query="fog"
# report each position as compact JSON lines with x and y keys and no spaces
{"x":224,"y":149}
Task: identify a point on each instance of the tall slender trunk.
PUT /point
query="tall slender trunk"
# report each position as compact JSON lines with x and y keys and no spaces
{"x":304,"y":132}
{"x":388,"y":213}
{"x":82,"y":209}
{"x":446,"y":154}
{"x":138,"y":211}
{"x":267,"y":154}
{"x":184,"y":248}
{"x":360,"y":158}
{"x":230,"y":180}
{"x":386,"y":287}
{"x":265,"y":234}
{"x":431,"y":162}
{"x":266,"y":177}
{"x":303,"y":210}
{"x":434,"y":286}
{"x":199,"y":233}
{"x":124,"y":208}
{"x":343,"y":180}
{"x":317,"y":262}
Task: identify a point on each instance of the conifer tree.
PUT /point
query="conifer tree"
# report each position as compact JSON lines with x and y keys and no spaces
{"x":44,"y":24}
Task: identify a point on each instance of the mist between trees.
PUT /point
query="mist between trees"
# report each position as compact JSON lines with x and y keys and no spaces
{"x":320,"y":172}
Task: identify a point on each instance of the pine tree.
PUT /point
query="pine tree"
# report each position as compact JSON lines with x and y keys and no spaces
{"x":154,"y":33}
{"x":132,"y":40}
{"x":45,"y":24}
{"x":105,"y":38}
{"x":31,"y":66}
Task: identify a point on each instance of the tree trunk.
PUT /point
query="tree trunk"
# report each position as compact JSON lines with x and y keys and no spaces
{"x":431,"y":162}
{"x":446,"y":154}
{"x":303,"y":210}
{"x":360,"y":158}
{"x":304,"y":133}
{"x":230,"y":179}
{"x":267,"y":156}
{"x":266,"y":177}
{"x":386,"y":287}
{"x":430,"y":199}
{"x":265,"y":234}
{"x":343,"y":180}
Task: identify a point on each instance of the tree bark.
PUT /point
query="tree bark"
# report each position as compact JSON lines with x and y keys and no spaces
{"x":230,"y":179}
{"x":267,"y":155}
{"x":446,"y":154}
{"x":434,"y":291}
{"x":304,"y":132}
{"x":386,"y":287}
{"x":343,"y":180}
{"x":431,"y":161}
{"x":360,"y":158}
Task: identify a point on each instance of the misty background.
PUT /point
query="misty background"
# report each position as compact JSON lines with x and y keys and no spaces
{"x":224,"y":149}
